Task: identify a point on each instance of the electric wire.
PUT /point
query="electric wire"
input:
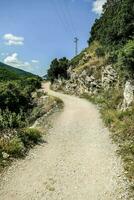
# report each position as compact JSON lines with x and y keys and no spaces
{"x":69,"y":15}
{"x":61,"y":17}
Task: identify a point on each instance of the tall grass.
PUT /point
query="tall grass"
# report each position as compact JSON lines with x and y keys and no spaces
{"x":121,"y":124}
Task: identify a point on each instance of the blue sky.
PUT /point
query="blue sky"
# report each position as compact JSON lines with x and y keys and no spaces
{"x":33,"y":32}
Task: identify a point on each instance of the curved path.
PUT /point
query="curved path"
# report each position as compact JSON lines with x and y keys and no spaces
{"x":77,"y":163}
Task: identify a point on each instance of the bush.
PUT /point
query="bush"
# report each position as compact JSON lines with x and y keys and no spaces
{"x":126,"y":55}
{"x":30,"y":136}
{"x":12,"y":146}
{"x":16,"y":95}
{"x":31,"y":84}
{"x":100,"y":52}
{"x":10,"y":119}
{"x":16,"y":101}
{"x":13,"y":97}
{"x":112,"y":57}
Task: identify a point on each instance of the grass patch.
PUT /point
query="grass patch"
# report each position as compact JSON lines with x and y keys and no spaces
{"x":14,"y":147}
{"x":16,"y":144}
{"x":121,"y":125}
{"x":30,"y":136}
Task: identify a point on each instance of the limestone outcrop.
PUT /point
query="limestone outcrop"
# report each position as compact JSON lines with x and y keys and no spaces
{"x":93,"y":80}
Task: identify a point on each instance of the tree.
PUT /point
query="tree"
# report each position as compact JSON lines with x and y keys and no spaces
{"x":116,"y":24}
{"x":58,"y":69}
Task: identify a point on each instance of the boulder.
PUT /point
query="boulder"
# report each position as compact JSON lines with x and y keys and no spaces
{"x":128,"y":95}
{"x":5,"y":155}
{"x":109,"y":76}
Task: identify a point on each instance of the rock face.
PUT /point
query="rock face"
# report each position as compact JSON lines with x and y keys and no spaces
{"x":109,"y":76}
{"x":88,"y":81}
{"x":128,"y":95}
{"x":85,"y":81}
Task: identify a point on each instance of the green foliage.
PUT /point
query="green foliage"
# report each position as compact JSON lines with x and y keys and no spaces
{"x":75,"y":61}
{"x":58,"y":69}
{"x":120,"y":123}
{"x":30,"y":136}
{"x":14,"y":97}
{"x":13,"y":146}
{"x":115,"y":26}
{"x":16,"y":104}
{"x":30,"y":84}
{"x":10,"y":119}
{"x":112,"y":57}
{"x":8,"y":73}
{"x":100,"y":52}
{"x":19,"y":141}
{"x":126,"y":56}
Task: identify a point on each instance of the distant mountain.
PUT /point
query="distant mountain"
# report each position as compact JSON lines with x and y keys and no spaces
{"x":11,"y":73}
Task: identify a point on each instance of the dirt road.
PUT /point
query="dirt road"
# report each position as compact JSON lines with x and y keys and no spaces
{"x":77,"y":163}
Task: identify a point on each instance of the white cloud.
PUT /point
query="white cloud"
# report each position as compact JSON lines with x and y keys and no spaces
{"x":14,"y":61}
{"x":11,"y":39}
{"x":97,"y":6}
{"x":35,"y":61}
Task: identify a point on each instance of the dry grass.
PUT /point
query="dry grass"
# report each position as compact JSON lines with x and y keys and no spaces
{"x":121,"y":125}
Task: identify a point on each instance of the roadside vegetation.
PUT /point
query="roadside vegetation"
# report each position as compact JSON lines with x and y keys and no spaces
{"x":121,"y":124}
{"x":16,"y":105}
{"x":113,"y":33}
{"x":22,"y":102}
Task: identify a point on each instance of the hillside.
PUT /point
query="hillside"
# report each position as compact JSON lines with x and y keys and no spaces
{"x":11,"y":73}
{"x":104,"y":74}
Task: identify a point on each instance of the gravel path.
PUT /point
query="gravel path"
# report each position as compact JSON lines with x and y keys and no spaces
{"x":77,"y":163}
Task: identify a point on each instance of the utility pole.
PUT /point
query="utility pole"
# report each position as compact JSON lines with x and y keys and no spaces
{"x":76,"y":45}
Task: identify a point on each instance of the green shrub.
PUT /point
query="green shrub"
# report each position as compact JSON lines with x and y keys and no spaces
{"x":100,"y":52}
{"x":16,"y":95}
{"x":16,"y":101}
{"x":112,"y":57}
{"x":59,"y":102}
{"x":126,"y":56}
{"x":12,"y":146}
{"x":40,"y":94}
{"x":30,"y":135}
{"x":75,"y":61}
{"x":13,"y":97}
{"x":10,"y":119}
{"x":31,"y":84}
{"x":109,"y":116}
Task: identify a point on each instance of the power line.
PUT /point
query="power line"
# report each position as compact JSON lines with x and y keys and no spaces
{"x":65,"y":16}
{"x":66,"y":13}
{"x":69,"y":14}
{"x":59,"y":16}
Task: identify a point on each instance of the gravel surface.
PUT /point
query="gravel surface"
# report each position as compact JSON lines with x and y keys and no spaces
{"x":78,"y":162}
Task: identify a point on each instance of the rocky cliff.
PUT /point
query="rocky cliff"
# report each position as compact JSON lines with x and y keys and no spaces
{"x":92,"y":75}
